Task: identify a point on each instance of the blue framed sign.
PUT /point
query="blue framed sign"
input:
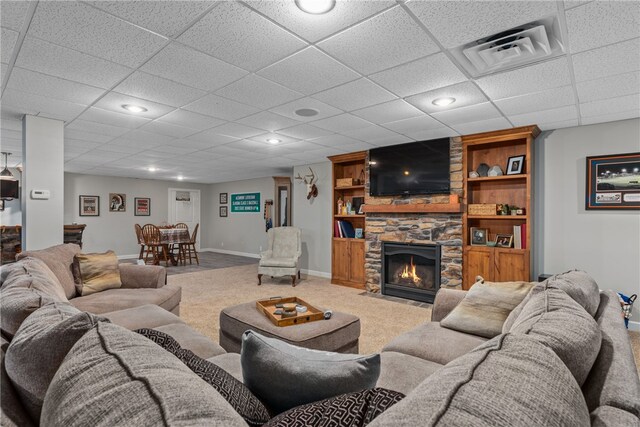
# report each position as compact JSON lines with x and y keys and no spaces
{"x":245,"y":203}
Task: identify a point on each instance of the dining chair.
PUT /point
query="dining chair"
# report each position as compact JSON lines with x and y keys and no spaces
{"x":140,"y":238}
{"x":190,"y":247}
{"x":152,"y":241}
{"x":181,"y":247}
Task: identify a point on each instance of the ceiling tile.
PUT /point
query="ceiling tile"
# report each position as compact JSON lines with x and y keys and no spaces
{"x":259,"y":92}
{"x":120,"y":148}
{"x":606,"y":61}
{"x":384,"y":41}
{"x":8,"y":40}
{"x":114,"y":101}
{"x":174,"y":149}
{"x":610,"y":117}
{"x":52,"y":87}
{"x":413,"y":125}
{"x":13,"y":14}
{"x":184,"y":65}
{"x":342,"y":123}
{"x":335,"y":141}
{"x":157,"y":89}
{"x":570,"y":4}
{"x":237,"y":130}
{"x":537,"y":77}
{"x":309,"y":71}
{"x":372,"y":132}
{"x":554,"y":115}
{"x":168,"y":18}
{"x":472,"y":113}
{"x":464,"y":93}
{"x":77,"y":144}
{"x":609,"y":87}
{"x":315,"y":27}
{"x":611,"y":106}
{"x":38,"y":55}
{"x":237,"y":35}
{"x":601,"y":23}
{"x":112,"y":118}
{"x":80,"y":135}
{"x":426,"y":74}
{"x":558,"y":125}
{"x":86,"y":29}
{"x":28,"y":103}
{"x":551,"y":98}
{"x":191,"y":120}
{"x":3,"y":71}
{"x":427,"y":134}
{"x":10,"y":124}
{"x":97,"y":128}
{"x":268,"y":121}
{"x":152,"y":138}
{"x":391,"y":140}
{"x":135,"y":142}
{"x":354,"y":95}
{"x":264,"y":137}
{"x":211,"y":138}
{"x":388,"y":112}
{"x":304,"y":131}
{"x":458,"y":22}
{"x":470,"y":127}
{"x":168,"y":129}
{"x":212,"y":105}
{"x":324,"y":110}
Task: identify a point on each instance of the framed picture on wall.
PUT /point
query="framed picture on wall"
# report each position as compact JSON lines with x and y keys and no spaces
{"x":89,"y":205}
{"x":224,"y":197}
{"x":224,"y":212}
{"x":142,"y":206}
{"x":117,"y":202}
{"x":613,"y":182}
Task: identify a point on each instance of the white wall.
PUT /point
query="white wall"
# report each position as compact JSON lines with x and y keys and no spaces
{"x":606,"y":244}
{"x":314,"y":219}
{"x":239,"y":233}
{"x":12,"y":213}
{"x":114,"y":230}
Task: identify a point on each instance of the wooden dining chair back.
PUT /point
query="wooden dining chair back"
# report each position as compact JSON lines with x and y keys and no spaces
{"x":181,"y":225}
{"x":152,"y":240}
{"x":140,"y":239}
{"x":189,"y":249}
{"x":180,"y":256}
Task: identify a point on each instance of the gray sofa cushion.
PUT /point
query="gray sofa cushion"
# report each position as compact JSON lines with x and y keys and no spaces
{"x":12,"y":412}
{"x":60,"y":260}
{"x":284,"y":376}
{"x":230,"y":362}
{"x":557,"y":321}
{"x":38,"y":348}
{"x":167,"y":297}
{"x":401,"y":372}
{"x":192,"y":340}
{"x":144,"y":316}
{"x":608,"y":416}
{"x":33,"y":273}
{"x":511,"y":380}
{"x":131,"y":381}
{"x":579,"y":286}
{"x":16,"y":304}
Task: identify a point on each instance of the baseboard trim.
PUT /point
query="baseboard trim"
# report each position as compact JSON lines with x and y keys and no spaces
{"x":634,"y":326}
{"x":224,"y":251}
{"x":316,"y":273}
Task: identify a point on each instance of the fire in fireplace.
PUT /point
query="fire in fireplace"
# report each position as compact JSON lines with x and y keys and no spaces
{"x":410,"y":270}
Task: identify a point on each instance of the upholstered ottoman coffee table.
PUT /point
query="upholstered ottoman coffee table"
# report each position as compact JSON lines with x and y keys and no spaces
{"x":339,"y":334}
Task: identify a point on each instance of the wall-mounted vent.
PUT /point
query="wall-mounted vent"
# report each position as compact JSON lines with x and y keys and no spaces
{"x":526,"y":44}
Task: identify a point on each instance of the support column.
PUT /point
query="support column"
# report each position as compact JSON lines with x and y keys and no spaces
{"x":43,"y":160}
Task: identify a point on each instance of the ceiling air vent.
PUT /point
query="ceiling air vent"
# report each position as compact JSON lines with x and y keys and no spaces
{"x":526,"y":44}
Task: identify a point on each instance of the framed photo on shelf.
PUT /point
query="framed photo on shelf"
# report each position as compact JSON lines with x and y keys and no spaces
{"x":224,"y":211}
{"x":515,"y":165}
{"x":613,"y":182}
{"x":504,"y":240}
{"x":361,"y":209}
{"x":89,"y":205}
{"x":359,"y":234}
{"x":141,"y":206}
{"x":224,"y":198}
{"x":478,"y":236}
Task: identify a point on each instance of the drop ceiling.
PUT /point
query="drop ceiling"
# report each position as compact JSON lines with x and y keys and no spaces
{"x":220,"y":78}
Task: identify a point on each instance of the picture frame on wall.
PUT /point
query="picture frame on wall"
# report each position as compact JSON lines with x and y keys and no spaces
{"x":117,"y":202}
{"x":515,"y":165}
{"x":142,"y":206}
{"x":224,"y":211}
{"x":224,"y":198}
{"x":478,"y":236}
{"x":613,"y":182}
{"x":504,"y":240}
{"x":89,"y":205}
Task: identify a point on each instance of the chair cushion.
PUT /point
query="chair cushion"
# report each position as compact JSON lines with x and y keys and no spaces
{"x":286,"y":242}
{"x":96,"y":272}
{"x":113,"y":376}
{"x":60,"y":260}
{"x":511,"y":380}
{"x":167,"y":297}
{"x":485,"y":307}
{"x":277,"y":262}
{"x":283,"y":375}
{"x":403,"y":373}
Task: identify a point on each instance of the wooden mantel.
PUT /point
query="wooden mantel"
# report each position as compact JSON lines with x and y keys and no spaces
{"x":415,"y":208}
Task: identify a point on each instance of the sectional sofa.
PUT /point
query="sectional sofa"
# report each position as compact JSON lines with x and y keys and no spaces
{"x":564,"y":358}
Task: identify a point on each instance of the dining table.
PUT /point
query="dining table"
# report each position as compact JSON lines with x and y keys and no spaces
{"x":170,"y":236}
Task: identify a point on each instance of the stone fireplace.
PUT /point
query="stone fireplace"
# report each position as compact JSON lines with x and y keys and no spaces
{"x":410,"y":270}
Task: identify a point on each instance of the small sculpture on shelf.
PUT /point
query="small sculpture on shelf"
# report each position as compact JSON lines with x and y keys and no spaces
{"x":340,"y":204}
{"x":349,"y":208}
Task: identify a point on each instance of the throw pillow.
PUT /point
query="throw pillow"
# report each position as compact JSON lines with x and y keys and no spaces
{"x":38,"y":348}
{"x":485,"y":308}
{"x":284,"y":376}
{"x":234,"y":392}
{"x":96,"y":272}
{"x":347,"y":410}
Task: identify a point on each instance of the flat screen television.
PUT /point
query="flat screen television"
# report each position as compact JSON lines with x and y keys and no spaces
{"x":414,"y":168}
{"x":9,"y":189}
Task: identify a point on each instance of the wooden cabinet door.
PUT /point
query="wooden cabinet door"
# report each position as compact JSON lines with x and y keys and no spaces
{"x":340,"y":261}
{"x":356,"y":251}
{"x":511,"y":265}
{"x":479,"y":262}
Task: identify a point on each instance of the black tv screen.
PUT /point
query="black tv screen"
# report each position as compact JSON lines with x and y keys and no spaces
{"x":415,"y":168}
{"x":9,"y":189}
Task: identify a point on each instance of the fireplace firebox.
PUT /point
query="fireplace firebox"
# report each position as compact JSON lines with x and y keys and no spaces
{"x":410,"y":270}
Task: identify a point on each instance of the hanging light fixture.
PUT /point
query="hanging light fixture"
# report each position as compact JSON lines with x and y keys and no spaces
{"x":6,"y":173}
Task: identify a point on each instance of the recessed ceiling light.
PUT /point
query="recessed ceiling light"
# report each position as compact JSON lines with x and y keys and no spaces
{"x":273,"y":141}
{"x":442,"y":102}
{"x":316,"y":7}
{"x":152,"y":169}
{"x":180,"y":177}
{"x":134,"y":108}
{"x":306,"y":112}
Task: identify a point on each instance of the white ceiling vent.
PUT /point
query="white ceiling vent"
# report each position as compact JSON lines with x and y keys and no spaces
{"x":519,"y":46}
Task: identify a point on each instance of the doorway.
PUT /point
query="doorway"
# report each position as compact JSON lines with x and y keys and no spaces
{"x":184,"y":206}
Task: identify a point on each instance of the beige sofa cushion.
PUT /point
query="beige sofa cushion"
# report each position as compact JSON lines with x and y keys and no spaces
{"x":167,"y":297}
{"x":60,"y":260}
{"x":401,"y":372}
{"x":96,"y":272}
{"x":511,"y":380}
{"x":486,"y":306}
{"x":132,"y":381}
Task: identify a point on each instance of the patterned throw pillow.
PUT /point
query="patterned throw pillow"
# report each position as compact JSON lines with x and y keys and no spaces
{"x":347,"y":410}
{"x":233,"y":391}
{"x":96,"y":272}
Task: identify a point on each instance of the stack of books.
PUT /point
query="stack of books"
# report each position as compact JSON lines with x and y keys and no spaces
{"x":344,"y":229}
{"x":520,"y":236}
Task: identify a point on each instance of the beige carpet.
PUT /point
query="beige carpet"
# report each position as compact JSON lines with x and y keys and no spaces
{"x":205,"y":294}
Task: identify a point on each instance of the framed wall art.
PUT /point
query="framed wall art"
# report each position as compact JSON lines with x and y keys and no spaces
{"x":224,"y":212}
{"x":142,"y":206}
{"x":224,"y":197}
{"x":117,"y":202}
{"x":89,"y":205}
{"x":613,"y":182}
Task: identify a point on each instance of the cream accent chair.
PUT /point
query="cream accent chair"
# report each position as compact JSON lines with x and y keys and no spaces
{"x":282,"y":255}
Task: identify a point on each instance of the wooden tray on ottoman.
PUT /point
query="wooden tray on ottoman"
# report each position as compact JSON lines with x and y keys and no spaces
{"x":268,"y":306}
